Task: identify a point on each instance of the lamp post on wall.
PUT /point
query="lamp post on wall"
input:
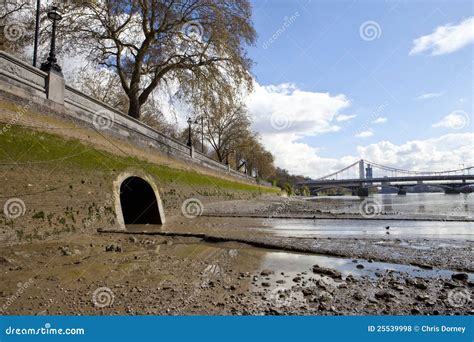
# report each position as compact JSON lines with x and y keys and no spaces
{"x":52,"y":63}
{"x":202,"y":133}
{"x":35,"y":49}
{"x":226,"y":151}
{"x":190,"y":143}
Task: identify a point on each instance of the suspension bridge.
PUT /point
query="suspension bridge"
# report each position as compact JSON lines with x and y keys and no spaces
{"x":362,"y":177}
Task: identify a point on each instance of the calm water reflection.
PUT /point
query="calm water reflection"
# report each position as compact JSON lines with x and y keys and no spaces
{"x":400,"y":229}
{"x":423,"y":204}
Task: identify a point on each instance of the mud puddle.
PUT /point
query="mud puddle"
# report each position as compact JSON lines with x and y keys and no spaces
{"x":280,"y":267}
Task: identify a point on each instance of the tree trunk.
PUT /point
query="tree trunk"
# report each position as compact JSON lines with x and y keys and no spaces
{"x":134,"y":107}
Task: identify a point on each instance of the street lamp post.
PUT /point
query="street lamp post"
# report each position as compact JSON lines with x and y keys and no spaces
{"x":52,"y":63}
{"x":190,"y":143}
{"x":226,"y":151}
{"x":202,"y":133}
{"x":35,"y":49}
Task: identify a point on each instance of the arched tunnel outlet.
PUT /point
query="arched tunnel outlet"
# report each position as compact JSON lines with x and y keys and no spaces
{"x":139,"y":203}
{"x":137,"y":200}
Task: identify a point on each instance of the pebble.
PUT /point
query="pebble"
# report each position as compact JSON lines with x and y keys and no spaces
{"x":65,"y":250}
{"x":460,"y":276}
{"x":266,"y":273}
{"x":327,"y":271}
{"x":113,"y":248}
{"x":384,"y":295}
{"x":422,"y":298}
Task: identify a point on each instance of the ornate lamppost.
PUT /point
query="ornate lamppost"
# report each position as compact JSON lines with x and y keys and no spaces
{"x":52,"y":63}
{"x":190,"y":122}
{"x":226,"y":151}
{"x":190,"y":143}
{"x":202,"y":133}
{"x":37,"y":26}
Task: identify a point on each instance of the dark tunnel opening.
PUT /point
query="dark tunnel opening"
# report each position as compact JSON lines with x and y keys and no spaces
{"x":138,"y":202}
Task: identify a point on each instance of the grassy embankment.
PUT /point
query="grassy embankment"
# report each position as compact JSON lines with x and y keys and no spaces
{"x":23,"y":145}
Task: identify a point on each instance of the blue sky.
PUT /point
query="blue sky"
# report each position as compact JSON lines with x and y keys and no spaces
{"x":322,"y":49}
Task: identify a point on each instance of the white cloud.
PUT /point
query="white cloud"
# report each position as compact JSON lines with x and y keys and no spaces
{"x":300,"y":158}
{"x":343,"y":117}
{"x":318,"y":111}
{"x":455,"y":120}
{"x":429,"y":96}
{"x":380,"y":120}
{"x":445,"y":39}
{"x":310,"y":113}
{"x":284,"y":114}
{"x":435,"y":154}
{"x":364,"y":134}
{"x":284,"y":108}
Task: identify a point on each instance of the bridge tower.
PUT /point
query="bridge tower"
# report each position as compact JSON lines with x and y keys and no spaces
{"x":361,"y":169}
{"x":368,"y":173}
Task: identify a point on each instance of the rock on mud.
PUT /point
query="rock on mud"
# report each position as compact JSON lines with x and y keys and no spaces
{"x":266,"y":273}
{"x":327,"y":271}
{"x":460,"y":276}
{"x":113,"y":248}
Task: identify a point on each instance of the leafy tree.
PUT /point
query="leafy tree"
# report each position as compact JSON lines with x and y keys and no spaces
{"x":288,"y":188}
{"x":224,"y":128}
{"x":305,"y":191}
{"x":151,"y":43}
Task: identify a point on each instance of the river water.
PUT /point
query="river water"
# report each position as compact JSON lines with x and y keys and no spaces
{"x":423,"y":207}
{"x":371,"y":228}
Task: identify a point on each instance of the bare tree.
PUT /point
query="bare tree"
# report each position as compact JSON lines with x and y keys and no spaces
{"x":224,"y":127}
{"x":197,"y":43}
{"x":103,"y":85}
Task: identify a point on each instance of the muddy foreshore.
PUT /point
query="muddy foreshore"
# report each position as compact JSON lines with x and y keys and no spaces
{"x":212,"y":265}
{"x":117,"y":274}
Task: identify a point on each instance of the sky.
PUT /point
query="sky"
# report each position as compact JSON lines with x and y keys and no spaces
{"x":387,"y":81}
